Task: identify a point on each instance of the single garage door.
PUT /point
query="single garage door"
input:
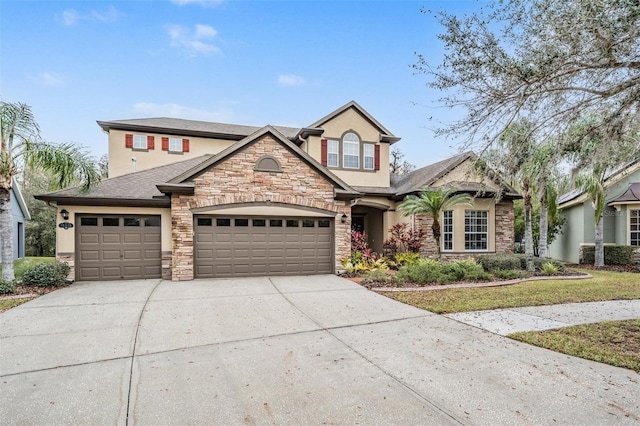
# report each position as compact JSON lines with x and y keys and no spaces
{"x":122,"y":247}
{"x":243,"y":246}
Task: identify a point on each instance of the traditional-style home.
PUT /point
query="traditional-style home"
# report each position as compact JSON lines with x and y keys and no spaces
{"x":191,"y":199}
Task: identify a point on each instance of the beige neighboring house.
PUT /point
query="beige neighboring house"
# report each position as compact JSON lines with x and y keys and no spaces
{"x":191,"y":199}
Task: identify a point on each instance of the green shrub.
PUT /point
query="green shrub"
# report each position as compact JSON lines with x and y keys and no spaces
{"x":500,"y":262}
{"x":407,"y":258}
{"x":613,"y":255}
{"x":47,"y":274}
{"x":7,"y":287}
{"x":424,"y":271}
{"x":377,"y":276}
{"x":549,"y":268}
{"x":509,"y":274}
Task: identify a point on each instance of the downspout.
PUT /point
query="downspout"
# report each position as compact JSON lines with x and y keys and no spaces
{"x":306,"y":142}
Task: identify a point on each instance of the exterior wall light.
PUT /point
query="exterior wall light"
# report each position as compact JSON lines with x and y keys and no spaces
{"x":343,"y":219}
{"x":65,"y":214}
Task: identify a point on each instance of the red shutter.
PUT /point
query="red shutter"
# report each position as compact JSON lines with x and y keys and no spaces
{"x":151,"y":142}
{"x":185,"y":145}
{"x":376,"y":158}
{"x":128,"y":141}
{"x":165,"y":144}
{"x":323,"y":152}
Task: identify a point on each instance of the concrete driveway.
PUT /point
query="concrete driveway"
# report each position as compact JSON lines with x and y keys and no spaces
{"x":282,"y":350}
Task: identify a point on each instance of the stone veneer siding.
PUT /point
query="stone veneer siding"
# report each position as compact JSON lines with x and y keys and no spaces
{"x":70,"y":259}
{"x":504,"y":231}
{"x":235,"y":181}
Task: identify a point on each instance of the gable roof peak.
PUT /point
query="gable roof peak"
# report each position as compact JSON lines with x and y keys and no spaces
{"x":386,"y":135}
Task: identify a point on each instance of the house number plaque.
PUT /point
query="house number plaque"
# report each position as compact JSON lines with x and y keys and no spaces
{"x":65,"y":225}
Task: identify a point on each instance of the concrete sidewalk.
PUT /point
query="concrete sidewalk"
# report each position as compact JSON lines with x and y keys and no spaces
{"x":282,"y":350}
{"x":535,"y":318}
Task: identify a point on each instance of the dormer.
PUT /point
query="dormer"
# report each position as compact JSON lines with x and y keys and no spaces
{"x":352,"y":144}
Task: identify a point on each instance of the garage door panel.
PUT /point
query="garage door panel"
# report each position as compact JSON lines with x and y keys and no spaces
{"x":108,"y":250}
{"x":274,"y":249}
{"x":110,"y":255}
{"x":111,"y":239}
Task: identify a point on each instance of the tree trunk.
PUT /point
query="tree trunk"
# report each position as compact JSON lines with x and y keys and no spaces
{"x":599,"y":240}
{"x":528,"y":231}
{"x":6,"y":234}
{"x":435,"y":228}
{"x":544,"y":225}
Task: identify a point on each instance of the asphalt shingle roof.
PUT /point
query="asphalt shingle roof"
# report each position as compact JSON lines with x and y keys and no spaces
{"x":133,"y":186}
{"x":417,"y":179}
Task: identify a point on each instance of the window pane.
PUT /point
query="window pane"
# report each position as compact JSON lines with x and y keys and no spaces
{"x":89,"y":221}
{"x":139,"y":141}
{"x":152,"y":221}
{"x":132,"y":221}
{"x":242,"y":222}
{"x":110,"y":221}
{"x":259,"y":222}
{"x":324,"y":223}
{"x":205,"y":221}
{"x":476,"y":226}
{"x":351,"y":153}
{"x":447,"y":230}
{"x":292,"y":223}
{"x":275,"y":222}
{"x":634,"y":237}
{"x":308,"y":223}
{"x":175,"y":144}
{"x":332,"y":153}
{"x":223,"y":222}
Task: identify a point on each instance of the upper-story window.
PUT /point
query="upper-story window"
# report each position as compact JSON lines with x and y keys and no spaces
{"x":139,"y":141}
{"x":333,"y":154}
{"x":368,"y":155}
{"x":175,"y":145}
{"x":350,"y":151}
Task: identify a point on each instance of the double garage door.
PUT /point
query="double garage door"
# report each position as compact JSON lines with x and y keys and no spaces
{"x":115,"y":247}
{"x":111,"y":247}
{"x":254,"y":246}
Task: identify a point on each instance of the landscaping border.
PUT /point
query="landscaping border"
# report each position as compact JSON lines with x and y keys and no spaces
{"x":489,"y":284}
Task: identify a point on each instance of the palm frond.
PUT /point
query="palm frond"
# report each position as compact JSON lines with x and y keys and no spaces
{"x":66,"y":161}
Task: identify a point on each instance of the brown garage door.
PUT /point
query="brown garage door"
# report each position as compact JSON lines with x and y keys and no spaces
{"x":118,"y":247}
{"x":241,"y":246}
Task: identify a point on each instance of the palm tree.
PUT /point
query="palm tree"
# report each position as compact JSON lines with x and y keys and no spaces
{"x":433,"y":202}
{"x":20,"y":145}
{"x":591,"y":184}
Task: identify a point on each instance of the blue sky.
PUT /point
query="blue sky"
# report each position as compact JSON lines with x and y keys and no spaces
{"x":284,"y":63}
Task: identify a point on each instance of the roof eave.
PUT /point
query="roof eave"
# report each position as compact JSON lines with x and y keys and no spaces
{"x":108,"y":125}
{"x":184,"y":189}
{"x":161,"y":201}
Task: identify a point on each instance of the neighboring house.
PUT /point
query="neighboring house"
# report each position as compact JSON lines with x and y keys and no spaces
{"x":20,"y":215}
{"x":189,"y":199}
{"x":621,"y":216}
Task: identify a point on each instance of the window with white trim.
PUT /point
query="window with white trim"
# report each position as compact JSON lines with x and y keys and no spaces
{"x":447,"y":230}
{"x":368,"y":156}
{"x":139,"y":141}
{"x":350,"y":151}
{"x":476,"y":230}
{"x":175,"y":145}
{"x":634,"y":222}
{"x":333,"y":154}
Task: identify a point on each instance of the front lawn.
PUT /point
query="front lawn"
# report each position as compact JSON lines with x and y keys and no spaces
{"x":603,"y":286}
{"x":612,"y":342}
{"x":5,"y":305}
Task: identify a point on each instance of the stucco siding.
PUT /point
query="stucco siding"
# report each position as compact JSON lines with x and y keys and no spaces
{"x":566,"y":245}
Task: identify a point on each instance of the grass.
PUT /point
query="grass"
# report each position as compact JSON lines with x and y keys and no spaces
{"x":613,"y":342}
{"x":21,"y":265}
{"x":12,"y":303}
{"x":603,"y":286}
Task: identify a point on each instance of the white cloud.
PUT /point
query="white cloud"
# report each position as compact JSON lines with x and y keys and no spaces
{"x":182,"y":111}
{"x":71,"y":16}
{"x":47,"y":79}
{"x":196,"y":41}
{"x":199,"y":2}
{"x":289,"y":80}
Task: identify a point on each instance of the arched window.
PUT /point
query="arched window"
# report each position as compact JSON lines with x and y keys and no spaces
{"x":268,"y":164}
{"x":350,"y":151}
